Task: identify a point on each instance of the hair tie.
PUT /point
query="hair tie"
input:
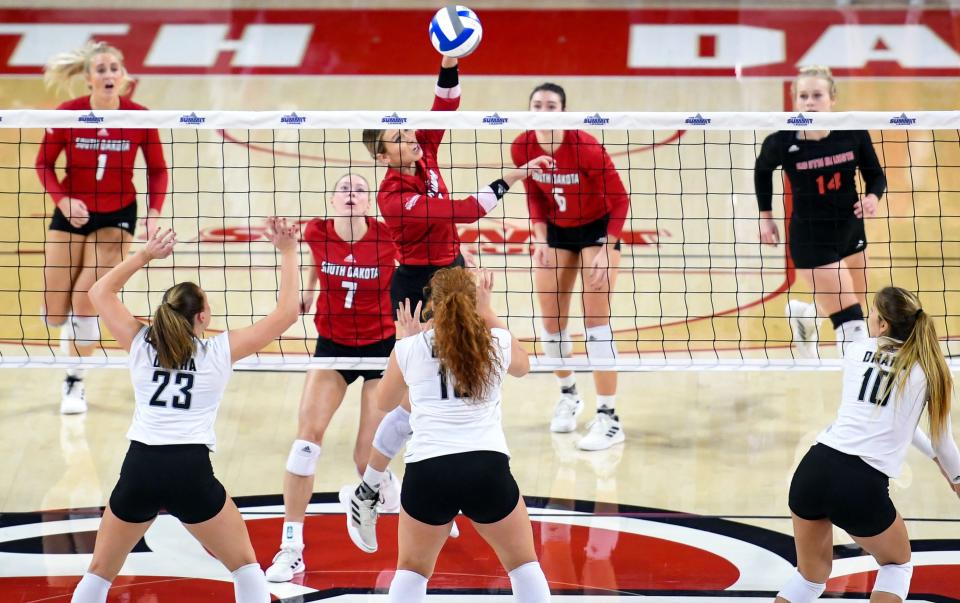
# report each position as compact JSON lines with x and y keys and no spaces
{"x":918,"y":313}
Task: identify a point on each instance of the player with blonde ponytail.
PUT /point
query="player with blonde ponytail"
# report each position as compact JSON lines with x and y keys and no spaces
{"x":95,"y":203}
{"x":843,"y":480}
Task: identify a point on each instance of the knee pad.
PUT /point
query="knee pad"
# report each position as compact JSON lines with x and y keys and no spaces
{"x":799,"y":590}
{"x":529,"y":584}
{"x":556,"y":345}
{"x":303,"y":458}
{"x":250,"y":584}
{"x":86,"y":329}
{"x":894,"y":579}
{"x":600,"y":344}
{"x":393,"y":432}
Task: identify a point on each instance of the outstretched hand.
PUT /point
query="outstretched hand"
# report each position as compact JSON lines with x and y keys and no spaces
{"x":408,"y":323}
{"x":161,"y":244}
{"x":484,"y":289}
{"x":282,"y":233}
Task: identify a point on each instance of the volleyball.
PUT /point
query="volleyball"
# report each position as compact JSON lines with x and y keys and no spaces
{"x":455,"y":31}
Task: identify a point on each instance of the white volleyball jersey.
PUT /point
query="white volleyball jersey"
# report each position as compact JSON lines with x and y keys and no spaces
{"x":877,"y":429}
{"x":442,"y":423}
{"x":178,"y":406}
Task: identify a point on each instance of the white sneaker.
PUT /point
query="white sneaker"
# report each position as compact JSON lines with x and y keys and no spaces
{"x":605,"y":431}
{"x":803,"y":325}
{"x":389,"y":493}
{"x":73,"y":400}
{"x":286,"y":563}
{"x":361,"y":519}
{"x":565,"y":414}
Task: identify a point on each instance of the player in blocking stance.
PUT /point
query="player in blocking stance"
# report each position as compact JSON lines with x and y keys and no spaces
{"x":178,"y":381}
{"x":457,"y":459}
{"x":353,"y":258}
{"x":95,"y":212}
{"x":888,"y":380}
{"x":827,"y":238}
{"x":578,"y":209}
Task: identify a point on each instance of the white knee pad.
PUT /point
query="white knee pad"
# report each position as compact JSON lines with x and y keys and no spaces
{"x":250,"y":584}
{"x":799,"y":590}
{"x":303,"y":458}
{"x":894,"y":579}
{"x":86,"y":329}
{"x":529,"y":584}
{"x":393,"y":432}
{"x":600,"y":343}
{"x":556,"y":345}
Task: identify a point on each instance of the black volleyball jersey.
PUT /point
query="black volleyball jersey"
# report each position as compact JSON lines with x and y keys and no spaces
{"x":822,"y":173}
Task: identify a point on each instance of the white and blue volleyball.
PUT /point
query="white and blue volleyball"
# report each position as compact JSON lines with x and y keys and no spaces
{"x":455,"y":31}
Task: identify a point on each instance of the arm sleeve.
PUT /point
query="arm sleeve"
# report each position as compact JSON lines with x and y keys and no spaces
{"x":767,"y":162}
{"x":537,"y":202}
{"x":412,"y":206}
{"x":614,"y":193}
{"x":157,"y":175}
{"x":870,"y":168}
{"x":947,"y":453}
{"x":51,"y":146}
{"x":446,"y":98}
{"x":922,"y":443}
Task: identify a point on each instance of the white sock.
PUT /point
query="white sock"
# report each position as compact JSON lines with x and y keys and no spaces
{"x":77,"y":373}
{"x":407,"y":587}
{"x":568,"y":381}
{"x":91,"y":589}
{"x":606,"y":402}
{"x":373,"y":478}
{"x":529,"y":584}
{"x":250,"y":585}
{"x":292,"y":534}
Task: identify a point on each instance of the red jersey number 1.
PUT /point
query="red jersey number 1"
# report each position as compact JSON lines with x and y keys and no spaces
{"x":830,"y":185}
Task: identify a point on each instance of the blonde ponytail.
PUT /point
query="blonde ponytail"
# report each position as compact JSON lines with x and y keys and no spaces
{"x":61,"y":69}
{"x":908,"y":323}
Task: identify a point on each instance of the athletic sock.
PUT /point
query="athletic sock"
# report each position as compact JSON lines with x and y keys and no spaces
{"x":91,"y":589}
{"x":292,"y":534}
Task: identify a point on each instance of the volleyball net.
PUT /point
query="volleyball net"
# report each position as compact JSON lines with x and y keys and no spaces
{"x":695,"y":288}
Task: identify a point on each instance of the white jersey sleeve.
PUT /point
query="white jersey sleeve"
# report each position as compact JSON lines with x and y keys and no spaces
{"x":444,"y":423}
{"x":178,"y":406}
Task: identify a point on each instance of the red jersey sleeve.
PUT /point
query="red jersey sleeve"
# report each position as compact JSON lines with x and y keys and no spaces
{"x":446,"y":99}
{"x":408,"y":206}
{"x":53,"y":143}
{"x":614,"y":193}
{"x":537,"y":202}
{"x":157,"y":175}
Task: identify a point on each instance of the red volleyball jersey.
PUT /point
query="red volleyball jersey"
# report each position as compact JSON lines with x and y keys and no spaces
{"x":353,"y":307}
{"x":100,"y":162}
{"x":418,"y":209}
{"x":582,"y":188}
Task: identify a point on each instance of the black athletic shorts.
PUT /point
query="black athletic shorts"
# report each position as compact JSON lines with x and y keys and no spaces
{"x":327,"y":348}
{"x":124,"y":218}
{"x":575,"y":238}
{"x":178,"y":478}
{"x":478,"y":483}
{"x":409,"y":282}
{"x":818,"y":242}
{"x":843,"y":488}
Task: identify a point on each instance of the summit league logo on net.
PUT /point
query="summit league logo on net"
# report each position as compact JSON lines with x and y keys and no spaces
{"x":193,"y":119}
{"x":90,"y":118}
{"x":495,"y":120}
{"x":293,"y":119}
{"x":799,"y":120}
{"x":596,"y":120}
{"x":903,"y":120}
{"x":697,"y":120}
{"x":393,"y":119}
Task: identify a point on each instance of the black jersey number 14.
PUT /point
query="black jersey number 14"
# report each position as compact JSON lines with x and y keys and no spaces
{"x":832,"y":184}
{"x":183,"y":380}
